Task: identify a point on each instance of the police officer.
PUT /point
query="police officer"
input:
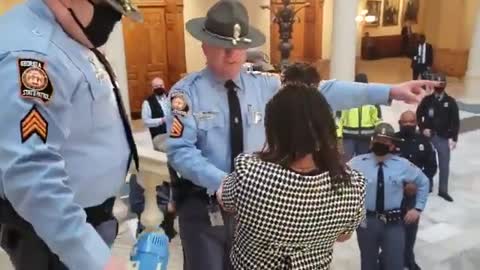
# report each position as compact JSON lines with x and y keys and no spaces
{"x":217,"y":113}
{"x":416,"y":148}
{"x":386,"y":175}
{"x":66,"y":142}
{"x":439,"y":120}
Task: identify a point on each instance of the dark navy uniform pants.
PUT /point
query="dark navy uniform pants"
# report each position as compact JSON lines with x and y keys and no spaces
{"x":205,"y":247}
{"x":374,"y":235}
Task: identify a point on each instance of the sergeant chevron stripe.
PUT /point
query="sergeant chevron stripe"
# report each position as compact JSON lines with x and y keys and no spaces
{"x":34,"y":123}
{"x":177,"y":128}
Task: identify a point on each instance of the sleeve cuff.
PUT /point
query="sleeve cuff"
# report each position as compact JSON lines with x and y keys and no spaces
{"x":379,"y":94}
{"x":218,"y":177}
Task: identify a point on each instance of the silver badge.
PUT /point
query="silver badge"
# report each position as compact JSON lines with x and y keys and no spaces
{"x":445,"y":104}
{"x":421,"y":147}
{"x":431,"y":112}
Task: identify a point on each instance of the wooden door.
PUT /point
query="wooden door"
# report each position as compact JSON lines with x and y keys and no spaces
{"x":307,"y":32}
{"x":154,"y":48}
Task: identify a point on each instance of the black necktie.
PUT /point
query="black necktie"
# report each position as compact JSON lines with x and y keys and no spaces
{"x":121,"y":108}
{"x":380,"y":189}
{"x":236,"y":126}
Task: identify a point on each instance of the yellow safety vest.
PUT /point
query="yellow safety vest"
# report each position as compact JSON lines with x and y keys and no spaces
{"x":360,"y":122}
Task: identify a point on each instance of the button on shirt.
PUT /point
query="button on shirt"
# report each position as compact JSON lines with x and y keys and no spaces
{"x":397,"y":171}
{"x":78,"y":155}
{"x":202,"y":153}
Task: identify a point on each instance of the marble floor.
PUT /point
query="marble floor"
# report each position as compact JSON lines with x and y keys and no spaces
{"x":448,"y":238}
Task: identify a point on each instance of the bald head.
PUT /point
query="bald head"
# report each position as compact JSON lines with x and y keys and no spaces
{"x":408,"y":118}
{"x":157,"y":82}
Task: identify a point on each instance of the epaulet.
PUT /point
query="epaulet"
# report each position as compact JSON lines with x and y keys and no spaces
{"x":35,"y":36}
{"x":186,"y":82}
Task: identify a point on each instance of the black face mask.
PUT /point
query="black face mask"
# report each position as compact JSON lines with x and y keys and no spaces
{"x":408,"y":131}
{"x":439,"y":90}
{"x":380,"y":149}
{"x":101,"y":26}
{"x":159,"y":91}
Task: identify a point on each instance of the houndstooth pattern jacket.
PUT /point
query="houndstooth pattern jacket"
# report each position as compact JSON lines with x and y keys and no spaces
{"x":287,"y":220}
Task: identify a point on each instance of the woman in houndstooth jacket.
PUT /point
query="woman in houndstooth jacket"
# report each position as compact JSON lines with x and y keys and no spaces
{"x":296,"y":198}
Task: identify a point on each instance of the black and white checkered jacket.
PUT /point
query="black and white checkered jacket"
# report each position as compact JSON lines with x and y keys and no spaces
{"x":287,"y":220}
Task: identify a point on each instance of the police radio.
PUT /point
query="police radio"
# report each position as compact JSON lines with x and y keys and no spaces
{"x":150,"y":252}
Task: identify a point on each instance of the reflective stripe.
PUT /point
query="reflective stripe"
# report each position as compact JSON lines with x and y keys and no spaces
{"x":358,"y":131}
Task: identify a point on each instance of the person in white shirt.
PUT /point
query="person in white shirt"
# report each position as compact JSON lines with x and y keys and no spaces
{"x":153,"y":108}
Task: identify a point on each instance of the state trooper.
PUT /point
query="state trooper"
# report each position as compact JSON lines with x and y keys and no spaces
{"x":66,"y":143}
{"x":217,"y":113}
{"x":386,"y":176}
{"x":416,"y":148}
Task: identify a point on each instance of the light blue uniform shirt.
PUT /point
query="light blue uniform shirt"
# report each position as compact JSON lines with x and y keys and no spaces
{"x":202,"y":153}
{"x":85,"y":156}
{"x":396,"y":171}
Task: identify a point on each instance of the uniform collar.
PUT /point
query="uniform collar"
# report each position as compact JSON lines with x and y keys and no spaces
{"x":217,"y":82}
{"x":41,"y":9}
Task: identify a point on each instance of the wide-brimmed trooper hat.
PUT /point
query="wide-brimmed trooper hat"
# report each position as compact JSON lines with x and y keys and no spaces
{"x":385,"y":130}
{"x":227,"y":26}
{"x":259,"y":60}
{"x":126,"y":7}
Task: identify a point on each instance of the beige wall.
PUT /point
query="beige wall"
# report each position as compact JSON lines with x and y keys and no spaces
{"x":327,"y":28}
{"x":7,"y":4}
{"x":198,"y":8}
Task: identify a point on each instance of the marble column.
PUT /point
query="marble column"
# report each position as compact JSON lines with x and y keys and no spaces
{"x":115,"y":52}
{"x":344,"y":38}
{"x":472,"y":77}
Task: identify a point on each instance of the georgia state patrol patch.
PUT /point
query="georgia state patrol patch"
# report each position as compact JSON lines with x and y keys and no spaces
{"x":34,"y":81}
{"x":179,"y":104}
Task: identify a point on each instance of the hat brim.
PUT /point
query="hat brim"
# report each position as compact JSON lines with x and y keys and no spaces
{"x":394,"y":138}
{"x":131,"y":11}
{"x":196,"y":28}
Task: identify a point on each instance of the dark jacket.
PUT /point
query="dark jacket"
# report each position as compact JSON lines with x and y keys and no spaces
{"x":419,"y":151}
{"x":428,"y":56}
{"x":441,"y":116}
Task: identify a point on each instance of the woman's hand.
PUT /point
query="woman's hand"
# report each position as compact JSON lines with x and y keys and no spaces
{"x":219,"y":194}
{"x":344,"y":237}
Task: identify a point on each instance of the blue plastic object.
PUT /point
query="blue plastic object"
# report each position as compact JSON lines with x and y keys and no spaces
{"x":150,"y":252}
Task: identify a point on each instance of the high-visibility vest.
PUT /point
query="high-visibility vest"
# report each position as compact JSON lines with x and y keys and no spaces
{"x":360,"y":122}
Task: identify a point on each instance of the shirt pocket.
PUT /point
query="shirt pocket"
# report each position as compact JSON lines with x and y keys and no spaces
{"x":104,"y":106}
{"x":210,"y":128}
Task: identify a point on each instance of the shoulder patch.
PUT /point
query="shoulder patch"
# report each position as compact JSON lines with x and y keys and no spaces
{"x":34,"y":81}
{"x":34,"y":123}
{"x":177,"y":128}
{"x":179,"y":104}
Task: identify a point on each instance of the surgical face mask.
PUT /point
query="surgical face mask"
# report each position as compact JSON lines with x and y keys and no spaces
{"x":408,"y":131}
{"x":439,"y":90}
{"x":380,"y":149}
{"x":103,"y":20}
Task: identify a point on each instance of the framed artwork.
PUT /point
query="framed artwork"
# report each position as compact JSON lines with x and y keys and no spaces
{"x":374,"y":9}
{"x":391,"y":10}
{"x":411,"y":11}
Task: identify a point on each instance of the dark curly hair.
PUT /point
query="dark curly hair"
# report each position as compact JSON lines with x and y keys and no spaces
{"x":298,"y":122}
{"x":302,"y":73}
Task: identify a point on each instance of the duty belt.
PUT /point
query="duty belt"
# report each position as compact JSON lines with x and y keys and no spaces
{"x":388,"y":216}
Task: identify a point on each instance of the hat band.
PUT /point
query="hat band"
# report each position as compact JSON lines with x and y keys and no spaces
{"x":232,"y":39}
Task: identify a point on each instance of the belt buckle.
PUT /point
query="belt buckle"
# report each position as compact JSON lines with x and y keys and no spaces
{"x":382,"y":217}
